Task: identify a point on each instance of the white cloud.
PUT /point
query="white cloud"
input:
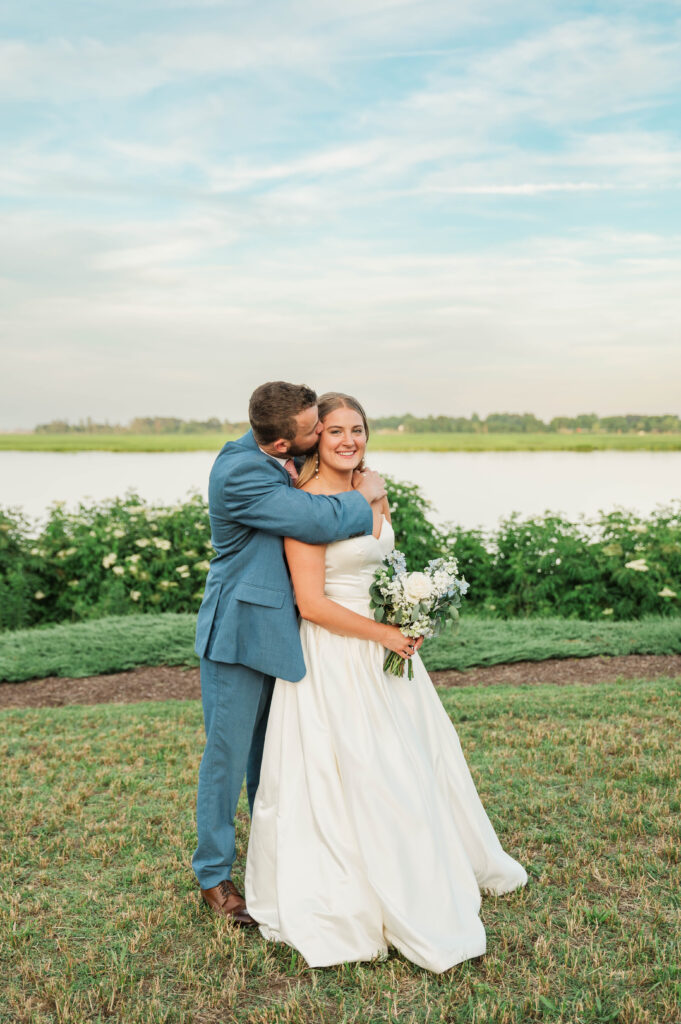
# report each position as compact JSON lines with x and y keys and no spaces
{"x":304,"y":37}
{"x":197,"y":205}
{"x":145,"y":328}
{"x":525,"y":189}
{"x":593,"y":66}
{"x":562,"y":75}
{"x":454,"y":136}
{"x":68,"y":69}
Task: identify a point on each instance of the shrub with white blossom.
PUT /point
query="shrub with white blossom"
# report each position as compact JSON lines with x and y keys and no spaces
{"x":126,"y":556}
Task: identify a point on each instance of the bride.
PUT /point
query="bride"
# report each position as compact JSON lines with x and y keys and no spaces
{"x":367,"y":829}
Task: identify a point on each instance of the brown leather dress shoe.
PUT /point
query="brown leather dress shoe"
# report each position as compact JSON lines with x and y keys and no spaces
{"x":226,"y":899}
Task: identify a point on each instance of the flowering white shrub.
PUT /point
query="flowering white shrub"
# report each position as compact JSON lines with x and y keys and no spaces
{"x":110,"y":558}
{"x":617,"y":566}
{"x":637,"y":564}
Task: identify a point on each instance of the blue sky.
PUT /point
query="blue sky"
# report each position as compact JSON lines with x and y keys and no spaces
{"x":440,"y":207}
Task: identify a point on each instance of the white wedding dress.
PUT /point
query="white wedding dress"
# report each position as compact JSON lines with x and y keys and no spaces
{"x":367,"y":828}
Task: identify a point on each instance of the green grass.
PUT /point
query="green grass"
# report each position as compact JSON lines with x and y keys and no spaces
{"x":113,"y":442}
{"x":481,"y":641}
{"x":525,"y":442}
{"x":100,"y":919}
{"x":102,"y":645}
{"x":124,"y":642}
{"x":379,"y":442}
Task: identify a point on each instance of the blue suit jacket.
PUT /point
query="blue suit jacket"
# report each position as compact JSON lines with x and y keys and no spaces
{"x":248,"y":615}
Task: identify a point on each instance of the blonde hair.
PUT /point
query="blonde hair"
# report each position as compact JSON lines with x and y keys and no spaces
{"x":327,"y":403}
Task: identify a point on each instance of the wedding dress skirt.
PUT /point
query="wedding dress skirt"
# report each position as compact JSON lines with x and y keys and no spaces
{"x":367,"y":828}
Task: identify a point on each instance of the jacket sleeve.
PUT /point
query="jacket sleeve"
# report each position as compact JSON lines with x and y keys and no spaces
{"x":258,"y":496}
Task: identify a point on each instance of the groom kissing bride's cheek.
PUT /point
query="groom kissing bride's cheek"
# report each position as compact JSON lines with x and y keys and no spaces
{"x":367,"y":830}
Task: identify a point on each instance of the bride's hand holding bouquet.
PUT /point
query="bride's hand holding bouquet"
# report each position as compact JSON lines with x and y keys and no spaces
{"x":418,"y":603}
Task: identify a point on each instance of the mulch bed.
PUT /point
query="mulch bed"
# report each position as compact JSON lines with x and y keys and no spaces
{"x":164,"y":682}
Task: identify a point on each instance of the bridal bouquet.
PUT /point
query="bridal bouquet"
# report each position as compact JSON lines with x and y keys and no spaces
{"x":417,"y":602}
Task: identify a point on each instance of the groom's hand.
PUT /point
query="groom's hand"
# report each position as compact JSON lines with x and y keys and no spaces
{"x":370,"y":485}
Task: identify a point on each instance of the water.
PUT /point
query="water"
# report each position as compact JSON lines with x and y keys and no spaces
{"x":474,"y":489}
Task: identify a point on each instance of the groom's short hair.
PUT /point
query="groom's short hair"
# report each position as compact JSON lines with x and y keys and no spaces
{"x":273,"y":408}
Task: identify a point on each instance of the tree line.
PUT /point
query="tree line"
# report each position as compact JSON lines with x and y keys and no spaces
{"x":495,"y":423}
{"x":528,"y":423}
{"x":143,"y":425}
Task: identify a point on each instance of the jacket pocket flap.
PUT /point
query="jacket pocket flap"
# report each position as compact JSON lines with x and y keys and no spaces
{"x":253,"y":594}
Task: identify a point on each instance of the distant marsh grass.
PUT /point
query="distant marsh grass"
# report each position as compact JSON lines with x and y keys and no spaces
{"x":397,"y":442}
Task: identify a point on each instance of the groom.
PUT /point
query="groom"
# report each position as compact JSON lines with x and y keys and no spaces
{"x":247,"y":629}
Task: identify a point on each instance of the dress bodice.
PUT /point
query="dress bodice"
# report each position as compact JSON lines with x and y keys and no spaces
{"x":350,"y":566}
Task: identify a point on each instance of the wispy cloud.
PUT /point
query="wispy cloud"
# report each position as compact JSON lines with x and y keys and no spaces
{"x":524,"y":189}
{"x":234,"y":187}
{"x":65,"y":69}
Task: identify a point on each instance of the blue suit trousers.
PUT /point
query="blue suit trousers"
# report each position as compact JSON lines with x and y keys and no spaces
{"x":236,"y":702}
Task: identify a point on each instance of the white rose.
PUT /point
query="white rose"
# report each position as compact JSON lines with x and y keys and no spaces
{"x":416,"y":587}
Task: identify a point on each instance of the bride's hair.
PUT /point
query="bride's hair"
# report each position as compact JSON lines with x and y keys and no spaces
{"x":326,"y":403}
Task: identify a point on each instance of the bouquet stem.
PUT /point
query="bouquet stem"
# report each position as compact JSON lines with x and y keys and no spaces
{"x":394,"y":664}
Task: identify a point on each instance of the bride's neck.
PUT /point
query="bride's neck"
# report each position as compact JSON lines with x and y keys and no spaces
{"x":335,"y":479}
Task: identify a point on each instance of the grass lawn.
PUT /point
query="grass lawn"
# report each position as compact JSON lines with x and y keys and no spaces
{"x":100,"y":918}
{"x":379,"y":442}
{"x":117,"y":644}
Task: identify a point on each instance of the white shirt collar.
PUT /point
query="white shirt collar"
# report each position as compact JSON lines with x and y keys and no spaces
{"x":276,"y":457}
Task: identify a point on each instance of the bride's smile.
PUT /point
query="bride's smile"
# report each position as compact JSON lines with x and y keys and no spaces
{"x":343,"y":440}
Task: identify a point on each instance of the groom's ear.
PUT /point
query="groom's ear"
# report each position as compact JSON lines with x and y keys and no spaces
{"x":281,"y":446}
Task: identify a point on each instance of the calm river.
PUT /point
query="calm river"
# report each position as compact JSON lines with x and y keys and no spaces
{"x":473,"y":489}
